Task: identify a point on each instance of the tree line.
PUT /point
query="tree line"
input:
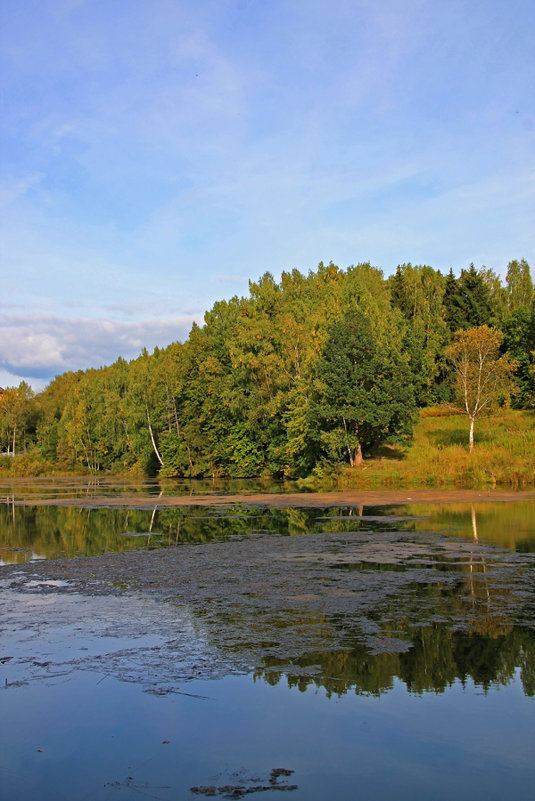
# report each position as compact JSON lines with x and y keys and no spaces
{"x":313,"y":369}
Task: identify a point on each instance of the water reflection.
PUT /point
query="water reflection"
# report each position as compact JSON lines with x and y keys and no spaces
{"x":372,"y":607}
{"x":65,"y":487}
{"x":510,"y":525}
{"x":48,"y":532}
{"x":359,"y":597}
{"x":435,"y":660}
{"x":52,"y":531}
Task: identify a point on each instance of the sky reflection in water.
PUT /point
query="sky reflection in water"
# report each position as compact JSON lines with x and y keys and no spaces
{"x":449,"y":714}
{"x":460,"y":744}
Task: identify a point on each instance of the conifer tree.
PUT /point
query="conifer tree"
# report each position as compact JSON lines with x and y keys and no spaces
{"x":453,"y":306}
{"x":475,"y":298}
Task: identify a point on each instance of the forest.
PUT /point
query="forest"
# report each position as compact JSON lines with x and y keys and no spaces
{"x":304,"y":374}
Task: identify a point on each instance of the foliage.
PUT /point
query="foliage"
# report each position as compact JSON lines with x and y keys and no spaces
{"x":418,"y":293}
{"x":482,"y":377}
{"x":438,"y":457}
{"x":16,"y":417}
{"x":363,"y":393}
{"x":519,"y":285}
{"x":297,"y":378}
{"x":519,"y":344}
{"x":467,"y":300}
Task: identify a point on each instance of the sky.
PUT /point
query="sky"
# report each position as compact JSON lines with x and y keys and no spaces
{"x":155,"y":155}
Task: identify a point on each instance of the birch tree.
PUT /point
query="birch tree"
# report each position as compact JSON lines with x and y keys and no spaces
{"x":482,"y":377}
{"x":15,"y":410}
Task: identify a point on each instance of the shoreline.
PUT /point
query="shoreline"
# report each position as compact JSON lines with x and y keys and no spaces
{"x":352,"y":497}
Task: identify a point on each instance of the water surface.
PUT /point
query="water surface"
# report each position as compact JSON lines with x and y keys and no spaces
{"x":368,"y":652}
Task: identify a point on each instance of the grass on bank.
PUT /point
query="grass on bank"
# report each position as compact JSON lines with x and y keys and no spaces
{"x":31,"y":464}
{"x":504,"y":455}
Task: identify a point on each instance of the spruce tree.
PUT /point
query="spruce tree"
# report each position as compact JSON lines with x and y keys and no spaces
{"x":363,"y":393}
{"x":454,"y":312}
{"x":475,"y":298}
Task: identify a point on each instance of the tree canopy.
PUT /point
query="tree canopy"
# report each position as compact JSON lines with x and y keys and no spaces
{"x":312,"y":369}
{"x":481,"y":375}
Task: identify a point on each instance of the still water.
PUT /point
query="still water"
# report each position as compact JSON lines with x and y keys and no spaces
{"x":323,"y":653}
{"x":50,"y":532}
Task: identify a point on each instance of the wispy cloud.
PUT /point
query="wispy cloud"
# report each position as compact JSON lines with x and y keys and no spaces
{"x":158,"y":152}
{"x":41,"y":347}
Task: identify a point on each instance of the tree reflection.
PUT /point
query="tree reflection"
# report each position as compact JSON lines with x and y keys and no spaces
{"x":49,"y":532}
{"x":435,"y":660}
{"x":390,"y":599}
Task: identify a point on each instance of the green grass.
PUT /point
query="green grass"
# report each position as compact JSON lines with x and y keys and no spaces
{"x":504,"y":456}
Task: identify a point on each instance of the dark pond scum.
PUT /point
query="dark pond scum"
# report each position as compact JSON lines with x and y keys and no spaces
{"x":244,"y":636}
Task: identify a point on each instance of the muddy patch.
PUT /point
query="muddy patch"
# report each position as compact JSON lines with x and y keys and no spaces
{"x":116,"y":492}
{"x":201,"y":611}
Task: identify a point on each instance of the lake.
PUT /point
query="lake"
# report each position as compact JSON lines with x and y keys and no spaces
{"x":240,"y":649}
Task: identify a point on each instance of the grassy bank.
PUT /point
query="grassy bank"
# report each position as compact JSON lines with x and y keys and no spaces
{"x":504,"y":456}
{"x":26,"y":465}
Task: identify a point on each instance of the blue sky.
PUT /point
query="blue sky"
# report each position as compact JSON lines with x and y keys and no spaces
{"x":157,"y":154}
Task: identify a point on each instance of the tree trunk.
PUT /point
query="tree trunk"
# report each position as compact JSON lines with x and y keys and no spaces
{"x":356,"y":458}
{"x":152,"y":437}
{"x":180,"y":434}
{"x":471,"y":439}
{"x":347,"y":443}
{"x":355,"y":454}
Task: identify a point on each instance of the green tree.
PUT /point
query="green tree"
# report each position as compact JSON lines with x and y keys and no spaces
{"x":497,"y":296}
{"x":519,"y":285}
{"x":453,"y":304}
{"x":519,"y":342}
{"x":51,"y":404}
{"x":15,"y":414}
{"x":475,"y":298}
{"x":75,"y":430}
{"x":363,"y":393}
{"x":417,"y":292}
{"x":146,"y":410}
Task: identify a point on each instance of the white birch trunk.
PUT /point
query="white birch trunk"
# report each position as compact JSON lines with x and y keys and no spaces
{"x":152,"y":437}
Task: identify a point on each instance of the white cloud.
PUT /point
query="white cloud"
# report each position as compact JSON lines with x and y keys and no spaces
{"x":8,"y":379}
{"x":43,"y":346}
{"x":157,"y":155}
